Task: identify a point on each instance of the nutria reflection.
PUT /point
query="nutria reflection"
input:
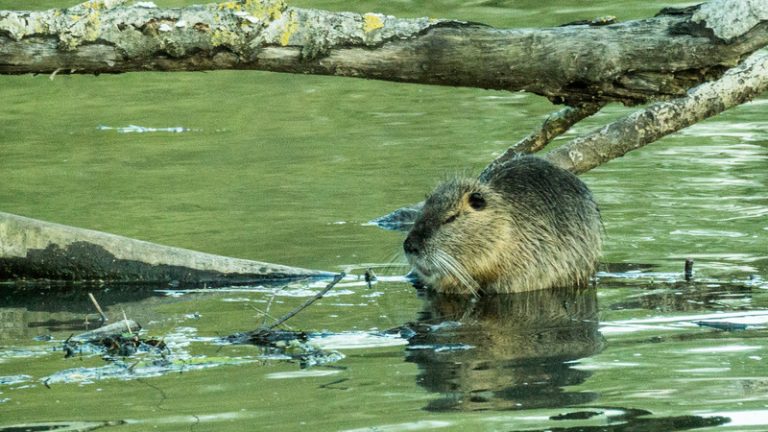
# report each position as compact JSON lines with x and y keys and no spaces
{"x":524,"y":225}
{"x":505,"y":351}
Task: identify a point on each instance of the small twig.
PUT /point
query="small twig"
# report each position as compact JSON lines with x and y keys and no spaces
{"x":689,"y":269}
{"x":306,"y":304}
{"x":52,"y":76}
{"x":553,"y":126}
{"x":370,"y":277}
{"x":98,"y":308}
{"x":265,"y":314}
{"x":127,"y":323}
{"x":269,"y":305}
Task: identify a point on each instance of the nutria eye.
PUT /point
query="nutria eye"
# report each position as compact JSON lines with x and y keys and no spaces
{"x":477,"y":200}
{"x":451,"y":218}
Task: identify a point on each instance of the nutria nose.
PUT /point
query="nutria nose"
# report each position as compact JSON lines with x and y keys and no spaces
{"x":409,"y":245}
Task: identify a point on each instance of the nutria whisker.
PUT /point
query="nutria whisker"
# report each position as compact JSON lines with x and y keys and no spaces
{"x":450,"y":266}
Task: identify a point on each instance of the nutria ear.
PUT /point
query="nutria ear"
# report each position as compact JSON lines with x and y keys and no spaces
{"x":477,"y":201}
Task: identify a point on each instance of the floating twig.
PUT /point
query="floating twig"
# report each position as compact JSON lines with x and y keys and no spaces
{"x":98,"y":308}
{"x":370,"y":277}
{"x":52,"y":76}
{"x":127,"y":323}
{"x":689,"y":269}
{"x":306,"y":304}
{"x":269,"y":306}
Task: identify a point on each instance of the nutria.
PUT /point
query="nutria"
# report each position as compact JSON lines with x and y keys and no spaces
{"x":524,"y":225}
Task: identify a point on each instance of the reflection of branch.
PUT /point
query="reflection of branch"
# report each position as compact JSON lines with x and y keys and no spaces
{"x":738,"y":85}
{"x":554,"y":125}
{"x":306,"y":304}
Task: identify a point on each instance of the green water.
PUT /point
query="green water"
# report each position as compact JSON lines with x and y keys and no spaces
{"x":288,"y":168}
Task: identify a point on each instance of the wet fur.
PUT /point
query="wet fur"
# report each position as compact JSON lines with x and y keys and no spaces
{"x":538,"y":228}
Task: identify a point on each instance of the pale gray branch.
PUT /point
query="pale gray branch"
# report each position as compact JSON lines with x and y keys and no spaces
{"x":631,"y":62}
{"x":738,"y":85}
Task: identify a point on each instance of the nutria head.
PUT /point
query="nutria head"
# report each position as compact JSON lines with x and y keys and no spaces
{"x":528,"y":225}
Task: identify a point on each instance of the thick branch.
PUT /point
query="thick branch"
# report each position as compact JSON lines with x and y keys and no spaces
{"x":738,"y":85}
{"x":629,"y":62}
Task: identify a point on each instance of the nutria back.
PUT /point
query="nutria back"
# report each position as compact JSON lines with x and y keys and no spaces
{"x":525,"y":225}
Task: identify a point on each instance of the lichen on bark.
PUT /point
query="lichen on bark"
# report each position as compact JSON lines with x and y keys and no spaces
{"x":632,"y":62}
{"x":728,"y":19}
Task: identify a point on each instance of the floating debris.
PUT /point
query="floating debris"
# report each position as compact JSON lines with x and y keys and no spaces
{"x":722,"y":325}
{"x":688,"y":269}
{"x":61,"y":426}
{"x":119,"y":339}
{"x":131,"y":355}
{"x":142,"y":129}
{"x":143,"y":368}
{"x":267,"y":338}
{"x":578,"y":415}
{"x":370,"y":278}
{"x":291,"y":345}
{"x":115,"y":346}
{"x":14,"y":379}
{"x":399,"y":220}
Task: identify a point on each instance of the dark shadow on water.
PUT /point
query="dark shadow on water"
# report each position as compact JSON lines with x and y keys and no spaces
{"x":505,"y":352}
{"x":63,"y":296}
{"x":32,"y":309}
{"x":72,"y":297}
{"x":633,"y":420}
{"x":28,"y":309}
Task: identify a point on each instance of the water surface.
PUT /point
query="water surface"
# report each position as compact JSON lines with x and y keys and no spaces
{"x":288,"y":168}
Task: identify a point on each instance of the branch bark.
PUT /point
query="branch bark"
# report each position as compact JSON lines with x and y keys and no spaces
{"x":630,"y":62}
{"x":738,"y":85}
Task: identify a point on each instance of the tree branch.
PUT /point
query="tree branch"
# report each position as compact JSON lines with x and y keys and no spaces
{"x":738,"y":85}
{"x":630,"y":62}
{"x":554,"y":125}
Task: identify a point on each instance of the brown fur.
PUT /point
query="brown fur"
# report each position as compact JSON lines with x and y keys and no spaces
{"x":524,"y":226}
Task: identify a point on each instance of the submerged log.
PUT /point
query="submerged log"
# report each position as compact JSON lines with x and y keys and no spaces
{"x":34,"y":249}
